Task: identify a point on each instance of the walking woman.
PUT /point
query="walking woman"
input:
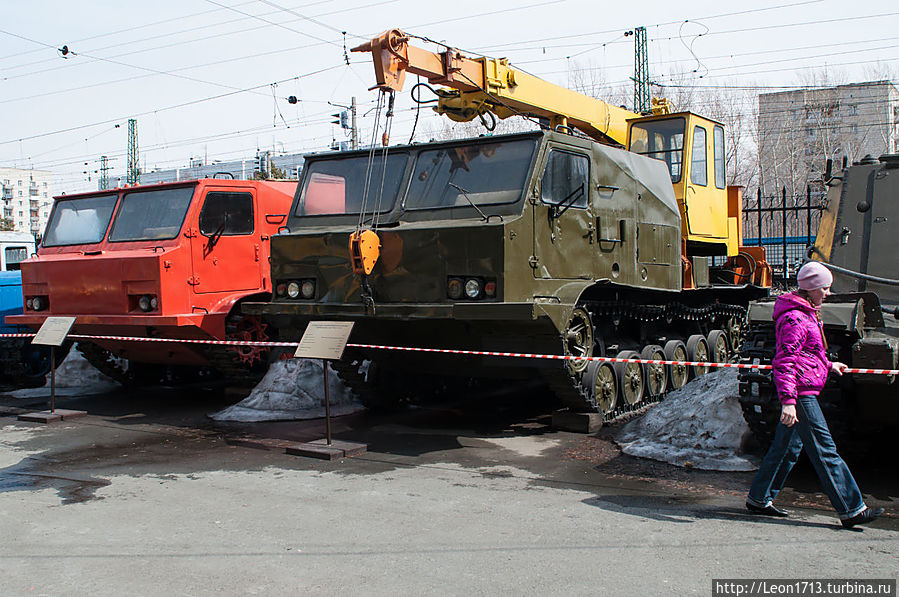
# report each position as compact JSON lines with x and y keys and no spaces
{"x":800,"y":370}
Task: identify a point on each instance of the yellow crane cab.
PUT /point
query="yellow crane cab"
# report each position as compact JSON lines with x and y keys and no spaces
{"x":692,"y":148}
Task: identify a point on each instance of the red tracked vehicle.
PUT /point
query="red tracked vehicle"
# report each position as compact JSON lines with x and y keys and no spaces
{"x":171,"y":260}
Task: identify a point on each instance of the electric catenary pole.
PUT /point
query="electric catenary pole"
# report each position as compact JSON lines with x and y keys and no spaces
{"x":642,"y":102}
{"x":104,"y":173}
{"x":133,"y":163}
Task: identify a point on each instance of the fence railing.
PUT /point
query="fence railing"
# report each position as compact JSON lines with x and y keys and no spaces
{"x":786,"y":227}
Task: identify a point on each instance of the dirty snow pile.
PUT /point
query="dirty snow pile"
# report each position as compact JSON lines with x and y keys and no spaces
{"x":74,"y":377}
{"x":292,"y":389}
{"x":699,"y":426}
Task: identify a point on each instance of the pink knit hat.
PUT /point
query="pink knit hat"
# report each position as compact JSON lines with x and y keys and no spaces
{"x":814,"y":275}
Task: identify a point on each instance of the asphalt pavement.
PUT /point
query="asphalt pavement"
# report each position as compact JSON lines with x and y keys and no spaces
{"x":148,"y":496}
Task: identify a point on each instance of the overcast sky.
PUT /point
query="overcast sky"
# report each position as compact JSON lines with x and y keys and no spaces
{"x":210,"y":78}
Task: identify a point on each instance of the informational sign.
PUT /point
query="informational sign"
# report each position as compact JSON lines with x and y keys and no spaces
{"x":324,"y":340}
{"x":54,"y":331}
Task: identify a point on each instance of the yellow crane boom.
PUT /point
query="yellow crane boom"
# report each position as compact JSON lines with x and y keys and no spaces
{"x":480,"y":85}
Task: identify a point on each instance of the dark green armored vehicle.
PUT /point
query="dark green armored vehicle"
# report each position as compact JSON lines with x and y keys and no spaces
{"x":538,"y":242}
{"x":592,"y":237}
{"x":858,"y":240}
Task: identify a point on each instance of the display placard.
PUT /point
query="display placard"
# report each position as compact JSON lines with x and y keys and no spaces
{"x":324,"y":340}
{"x":54,"y":331}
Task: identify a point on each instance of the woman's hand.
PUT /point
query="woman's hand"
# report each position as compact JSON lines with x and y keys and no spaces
{"x":788,"y":414}
{"x":838,"y":367}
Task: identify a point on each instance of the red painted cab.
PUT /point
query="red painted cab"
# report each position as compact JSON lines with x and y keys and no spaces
{"x":171,"y":260}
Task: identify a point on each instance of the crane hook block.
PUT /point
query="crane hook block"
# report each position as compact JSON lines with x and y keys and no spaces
{"x":365,"y":248}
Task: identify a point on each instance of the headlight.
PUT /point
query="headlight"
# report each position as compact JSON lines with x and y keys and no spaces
{"x":472,"y":288}
{"x":29,"y":304}
{"x":308,"y":289}
{"x":454,"y":288}
{"x":154,"y":303}
{"x":490,"y":289}
{"x":293,"y":290}
{"x":147,"y":302}
{"x":37,"y":304}
{"x":281,"y":289}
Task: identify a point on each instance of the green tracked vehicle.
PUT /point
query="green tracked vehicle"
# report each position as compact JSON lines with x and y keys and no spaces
{"x":545,"y":242}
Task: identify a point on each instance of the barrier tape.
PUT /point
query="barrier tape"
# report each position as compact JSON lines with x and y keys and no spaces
{"x":521,"y":355}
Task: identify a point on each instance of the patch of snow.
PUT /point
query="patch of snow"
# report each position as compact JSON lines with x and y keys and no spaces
{"x":74,"y":377}
{"x":292,"y":389}
{"x":700,"y":425}
{"x":524,"y":446}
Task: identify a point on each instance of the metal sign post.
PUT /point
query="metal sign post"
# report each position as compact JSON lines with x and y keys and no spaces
{"x":326,"y":340}
{"x":52,"y":333}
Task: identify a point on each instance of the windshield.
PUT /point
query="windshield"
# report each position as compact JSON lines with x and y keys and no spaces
{"x":335,"y":187}
{"x":79,"y":221}
{"x":662,"y":140}
{"x":151,"y":215}
{"x":481,"y":174}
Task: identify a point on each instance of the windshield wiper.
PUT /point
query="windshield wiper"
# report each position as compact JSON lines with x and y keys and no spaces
{"x":215,"y":236}
{"x":465,"y":194}
{"x":567,"y":202}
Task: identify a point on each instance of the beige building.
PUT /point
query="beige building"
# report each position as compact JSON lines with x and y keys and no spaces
{"x":27,"y":196}
{"x":799,"y":130}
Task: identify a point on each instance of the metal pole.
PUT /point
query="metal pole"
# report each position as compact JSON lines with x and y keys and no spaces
{"x":758,"y":204}
{"x":327,"y":401}
{"x":808,"y":214}
{"x":354,"y":132}
{"x":52,"y":379}
{"x":784,"y":237}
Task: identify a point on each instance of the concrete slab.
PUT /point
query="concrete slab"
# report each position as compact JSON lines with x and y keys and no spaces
{"x":67,"y":414}
{"x":577,"y":422}
{"x":44,"y":416}
{"x":309,"y":450}
{"x":349,"y":448}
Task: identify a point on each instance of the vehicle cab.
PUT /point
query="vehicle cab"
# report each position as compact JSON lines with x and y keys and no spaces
{"x":169,"y":260}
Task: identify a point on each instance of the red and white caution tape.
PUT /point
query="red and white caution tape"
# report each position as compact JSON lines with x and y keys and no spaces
{"x":520,"y":355}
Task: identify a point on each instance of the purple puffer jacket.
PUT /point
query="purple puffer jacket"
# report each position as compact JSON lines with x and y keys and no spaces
{"x":800,"y":364}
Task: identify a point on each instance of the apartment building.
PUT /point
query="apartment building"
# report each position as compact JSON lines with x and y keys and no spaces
{"x":27,"y":196}
{"x":799,"y":130}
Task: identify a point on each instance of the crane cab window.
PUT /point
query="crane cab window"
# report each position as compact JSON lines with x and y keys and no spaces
{"x":662,"y":140}
{"x":698,"y":168}
{"x":565,"y":179}
{"x":718,"y":134}
{"x":227,"y":214}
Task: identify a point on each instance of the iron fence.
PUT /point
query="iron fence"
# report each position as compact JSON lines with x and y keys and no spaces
{"x":785,"y":226}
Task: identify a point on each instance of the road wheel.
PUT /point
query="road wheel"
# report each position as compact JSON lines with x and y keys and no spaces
{"x":675,"y":350}
{"x":603,"y":385}
{"x":579,"y":340}
{"x":630,"y":378}
{"x":655,"y":373}
{"x":698,"y":350}
{"x":719,"y":347}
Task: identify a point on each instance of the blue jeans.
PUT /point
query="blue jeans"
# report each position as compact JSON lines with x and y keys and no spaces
{"x":812,"y":433}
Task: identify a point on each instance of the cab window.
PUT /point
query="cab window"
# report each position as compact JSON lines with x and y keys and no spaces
{"x":661,"y":140}
{"x":718,"y":133}
{"x":227,"y":214}
{"x":565,"y":179}
{"x":14,"y":256}
{"x":698,"y":169}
